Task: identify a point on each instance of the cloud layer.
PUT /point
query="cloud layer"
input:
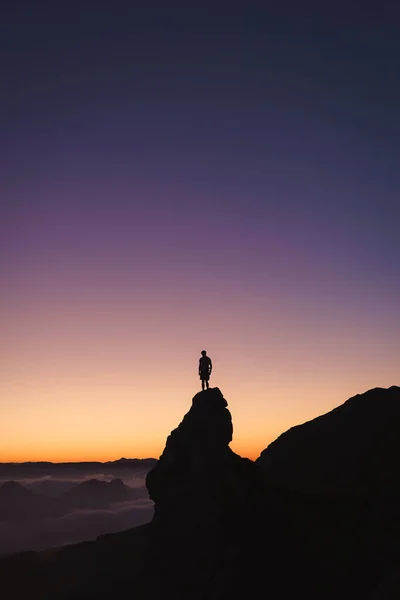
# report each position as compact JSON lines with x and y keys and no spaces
{"x":77,"y":525}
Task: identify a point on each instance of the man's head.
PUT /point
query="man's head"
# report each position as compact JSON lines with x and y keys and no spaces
{"x":203,"y":352}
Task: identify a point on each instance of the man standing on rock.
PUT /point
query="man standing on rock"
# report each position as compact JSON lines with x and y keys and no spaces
{"x":205,"y":368}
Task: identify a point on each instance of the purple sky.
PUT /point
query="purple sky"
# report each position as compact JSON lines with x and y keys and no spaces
{"x":177,"y":177}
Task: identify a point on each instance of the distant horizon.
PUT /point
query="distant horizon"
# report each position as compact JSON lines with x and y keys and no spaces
{"x":126,"y":456}
{"x":57,"y":462}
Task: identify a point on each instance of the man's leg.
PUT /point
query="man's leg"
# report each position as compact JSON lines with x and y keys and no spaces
{"x":202,"y":384}
{"x":207,"y":383}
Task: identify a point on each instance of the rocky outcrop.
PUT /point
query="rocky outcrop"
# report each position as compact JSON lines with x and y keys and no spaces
{"x":206,"y":501}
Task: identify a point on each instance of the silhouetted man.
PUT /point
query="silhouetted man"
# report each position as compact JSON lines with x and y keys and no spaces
{"x":205,"y":368}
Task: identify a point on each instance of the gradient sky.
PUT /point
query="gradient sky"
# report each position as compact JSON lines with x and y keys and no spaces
{"x":180,"y":176}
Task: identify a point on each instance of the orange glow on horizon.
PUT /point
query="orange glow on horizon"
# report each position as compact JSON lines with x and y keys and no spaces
{"x":88,"y":384}
{"x":78,"y":456}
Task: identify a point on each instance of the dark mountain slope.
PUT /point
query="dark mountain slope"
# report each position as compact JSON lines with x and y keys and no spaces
{"x":355,"y":445}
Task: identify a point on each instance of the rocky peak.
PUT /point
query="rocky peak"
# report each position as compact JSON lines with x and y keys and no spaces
{"x":204,"y":497}
{"x":195,"y":447}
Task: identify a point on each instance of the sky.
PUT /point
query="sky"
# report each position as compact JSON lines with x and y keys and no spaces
{"x":186,"y":176}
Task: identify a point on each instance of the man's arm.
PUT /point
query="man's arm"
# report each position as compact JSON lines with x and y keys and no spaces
{"x":210,"y":367}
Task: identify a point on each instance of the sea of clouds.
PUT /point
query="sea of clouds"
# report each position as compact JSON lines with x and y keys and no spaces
{"x":78,"y":525}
